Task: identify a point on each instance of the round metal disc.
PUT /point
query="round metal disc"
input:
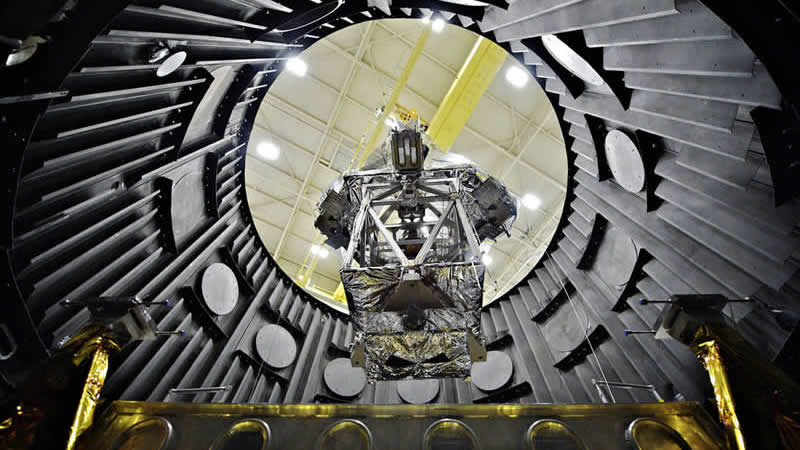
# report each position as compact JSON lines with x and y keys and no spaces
{"x":187,"y":207}
{"x":276,"y":346}
{"x":571,"y":60}
{"x":418,"y":392}
{"x":625,"y":161}
{"x":171,"y":64}
{"x":343,"y":379}
{"x":616,"y":258}
{"x":493,"y":373}
{"x":220,"y":289}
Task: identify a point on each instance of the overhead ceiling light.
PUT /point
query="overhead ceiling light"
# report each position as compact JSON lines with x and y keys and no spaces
{"x":268,"y":150}
{"x":438,"y":25}
{"x":531,"y":201}
{"x":426,"y":20}
{"x":571,"y":60}
{"x":389,"y":121}
{"x":517,"y":77}
{"x":486,"y":259}
{"x":300,"y":277}
{"x":456,"y":158}
{"x":297,"y":66}
{"x":485,"y":247}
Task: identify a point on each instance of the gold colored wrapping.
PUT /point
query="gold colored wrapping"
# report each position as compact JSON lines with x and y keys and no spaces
{"x":707,"y":349}
{"x":789,"y":430}
{"x":99,"y":349}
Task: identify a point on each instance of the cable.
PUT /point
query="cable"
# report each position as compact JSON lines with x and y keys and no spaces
{"x":585,"y":333}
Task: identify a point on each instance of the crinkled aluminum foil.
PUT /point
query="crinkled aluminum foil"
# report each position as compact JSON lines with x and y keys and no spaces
{"x":417,"y":354}
{"x":367,"y":290}
{"x":440,"y":349}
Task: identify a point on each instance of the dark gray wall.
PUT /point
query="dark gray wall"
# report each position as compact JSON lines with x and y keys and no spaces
{"x":115,"y":198}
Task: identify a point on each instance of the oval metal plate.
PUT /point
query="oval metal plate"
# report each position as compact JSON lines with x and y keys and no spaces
{"x":276,"y":346}
{"x":220,"y":289}
{"x":343,"y":379}
{"x":625,"y":161}
{"x":418,"y":392}
{"x":493,"y":373}
{"x":571,"y":60}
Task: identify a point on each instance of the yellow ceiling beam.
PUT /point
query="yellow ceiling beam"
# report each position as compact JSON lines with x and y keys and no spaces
{"x":466,"y":91}
{"x":363,"y":151}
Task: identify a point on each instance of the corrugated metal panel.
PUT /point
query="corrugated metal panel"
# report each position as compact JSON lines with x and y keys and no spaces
{"x":92,"y":218}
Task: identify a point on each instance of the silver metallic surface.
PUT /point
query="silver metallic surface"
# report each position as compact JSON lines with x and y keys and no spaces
{"x":220,"y":289}
{"x":493,"y":373}
{"x":625,"y":161}
{"x":343,"y":379}
{"x":275,"y":346}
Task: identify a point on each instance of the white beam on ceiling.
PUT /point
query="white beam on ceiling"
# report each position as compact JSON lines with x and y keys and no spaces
{"x":328,"y":126}
{"x":492,"y":144}
{"x":521,"y":148}
{"x":454,"y":73}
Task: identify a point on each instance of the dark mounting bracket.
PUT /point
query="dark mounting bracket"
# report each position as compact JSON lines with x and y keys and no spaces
{"x":599,"y":225}
{"x":505,"y":395}
{"x":642,"y":258}
{"x":555,"y":303}
{"x":579,"y":353}
{"x":592,"y":55}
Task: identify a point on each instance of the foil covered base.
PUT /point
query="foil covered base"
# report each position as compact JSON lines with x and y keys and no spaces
{"x":417,"y":354}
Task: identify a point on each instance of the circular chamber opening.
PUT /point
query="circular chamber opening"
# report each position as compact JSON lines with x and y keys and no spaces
{"x":650,"y":434}
{"x":360,"y":83}
{"x":154,"y":433}
{"x":549,"y":434}
{"x":448,"y":434}
{"x":251,"y":434}
{"x":345,"y":434}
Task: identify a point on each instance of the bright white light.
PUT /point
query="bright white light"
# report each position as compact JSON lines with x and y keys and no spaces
{"x":268,"y":150}
{"x":485,"y":247}
{"x":486,"y":259}
{"x":426,"y":20}
{"x":531,"y":201}
{"x":517,"y":77}
{"x":425,"y":231}
{"x":438,"y":25}
{"x":456,"y":158}
{"x":297,"y":66}
{"x":320,"y":251}
{"x":300,"y":277}
{"x":389,"y":121}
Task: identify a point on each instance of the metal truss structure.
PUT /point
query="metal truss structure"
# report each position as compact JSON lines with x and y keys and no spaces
{"x":412,"y":272}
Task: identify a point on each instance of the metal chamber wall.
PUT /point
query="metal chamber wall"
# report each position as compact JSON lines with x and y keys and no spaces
{"x":123,"y":183}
